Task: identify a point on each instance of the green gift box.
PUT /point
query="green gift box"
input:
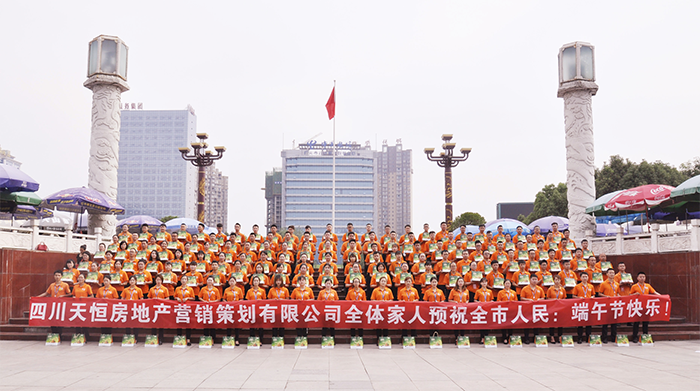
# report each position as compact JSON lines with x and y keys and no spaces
{"x":622,"y":340}
{"x":604,"y":266}
{"x":435,"y":342}
{"x":595,"y":340}
{"x":356,"y":343}
{"x":566,"y":256}
{"x":501,"y":259}
{"x":647,"y":340}
{"x":581,"y":265}
{"x":142,"y":254}
{"x":515,"y":341}
{"x":569,"y":282}
{"x":254,"y":343}
{"x":567,"y":341}
{"x":453,"y":281}
{"x":531,"y":246}
{"x":554,"y":266}
{"x":128,"y":340}
{"x":534,"y":267}
{"x":277,"y":343}
{"x":523,"y":279}
{"x":477,"y":276}
{"x":67,"y":276}
{"x":53,"y":339}
{"x":541,"y":341}
{"x":99,"y":255}
{"x":105,"y":340}
{"x":510,"y":246}
{"x":488,"y":269}
{"x":498,"y":282}
{"x":384,"y":343}
{"x":463,"y":342}
{"x":140,"y":279}
{"x":409,"y":342}
{"x":471,"y":245}
{"x":547,"y":280}
{"x":93,"y":278}
{"x":596,"y":278}
{"x":177,"y":267}
{"x":83,"y":266}
{"x":626,"y":278}
{"x":77,"y":340}
{"x":543,"y":256}
{"x":228,"y":343}
{"x":206,"y":342}
{"x":105,"y":268}
{"x":490,"y":341}
{"x":151,"y":341}
{"x":143,"y":237}
{"x":179,"y":341}
{"x":522,"y":255}
{"x":513,"y":266}
{"x":301,"y":343}
{"x":327,"y":342}
{"x":152,"y":267}
{"x":201,"y":267}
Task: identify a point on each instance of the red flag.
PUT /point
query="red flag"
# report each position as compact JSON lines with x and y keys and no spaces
{"x":330,"y":105}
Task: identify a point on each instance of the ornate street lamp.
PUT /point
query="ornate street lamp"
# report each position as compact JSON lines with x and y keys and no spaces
{"x":447,"y":160}
{"x":577,"y":86}
{"x":201,"y":158}
{"x":107,"y":65}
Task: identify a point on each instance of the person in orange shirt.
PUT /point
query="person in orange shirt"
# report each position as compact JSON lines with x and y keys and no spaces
{"x":625,"y":287}
{"x":302,"y":292}
{"x":483,"y":295}
{"x":356,"y":293}
{"x":355,"y":273}
{"x":327,"y":275}
{"x":584,"y":290}
{"x":408,"y":293}
{"x":556,"y":292}
{"x":81,"y":289}
{"x":278,"y":292}
{"x":169,"y":279}
{"x":521,"y":282}
{"x":159,"y":291}
{"x":184,"y":293}
{"x":147,"y":278}
{"x":532,"y":292}
{"x":506,"y":294}
{"x":328,"y":294}
{"x":609,"y":288}
{"x":568,"y":274}
{"x":123,"y":279}
{"x":153,"y":258}
{"x":107,"y":291}
{"x":219,"y":277}
{"x":233,"y":293}
{"x":132,"y":292}
{"x":210,"y":294}
{"x":303,"y":272}
{"x":256,"y":293}
{"x":641,"y":288}
{"x":193,"y":278}
{"x":96,"y":277}
{"x":381,"y":270}
{"x":382,"y":293}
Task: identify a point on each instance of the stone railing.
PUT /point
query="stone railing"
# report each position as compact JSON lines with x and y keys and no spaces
{"x":654,"y":242}
{"x":64,"y":241}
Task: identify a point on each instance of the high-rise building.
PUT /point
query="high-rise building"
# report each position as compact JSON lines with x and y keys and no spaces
{"x":7,"y":158}
{"x":273,"y":196}
{"x":307,"y":185}
{"x":394,"y":173}
{"x":153,"y":179}
{"x":215,"y":197}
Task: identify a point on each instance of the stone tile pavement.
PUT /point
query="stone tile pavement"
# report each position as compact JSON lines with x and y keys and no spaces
{"x":32,"y":366}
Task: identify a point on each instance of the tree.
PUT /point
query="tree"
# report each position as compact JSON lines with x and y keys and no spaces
{"x":468,"y":218}
{"x":550,"y":201}
{"x":167,"y":218}
{"x":620,"y":174}
{"x":691,"y":168}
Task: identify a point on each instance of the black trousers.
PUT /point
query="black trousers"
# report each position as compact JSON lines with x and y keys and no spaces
{"x":357,"y":332}
{"x":613,"y":332}
{"x":277,"y":332}
{"x":328,"y":332}
{"x":228,"y":333}
{"x":135,"y":332}
{"x":526,"y":334}
{"x":404,"y":333}
{"x":560,"y":331}
{"x":159,"y":333}
{"x":579,"y":331}
{"x":188,"y":333}
{"x":635,"y":330}
{"x":302,"y":332}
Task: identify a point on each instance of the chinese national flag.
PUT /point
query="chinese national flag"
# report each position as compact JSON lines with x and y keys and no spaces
{"x":330,"y":105}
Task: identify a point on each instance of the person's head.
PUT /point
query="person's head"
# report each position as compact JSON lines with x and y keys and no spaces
{"x":477,"y":245}
{"x":584,"y":277}
{"x":434,"y":282}
{"x":214,"y":266}
{"x":168,"y":266}
{"x":591,"y":262}
{"x":551,"y":253}
{"x":256,"y":281}
{"x":232,"y":281}
{"x":193,"y":266}
{"x":117,"y":264}
{"x":381,"y":267}
{"x":132,"y":281}
{"x":494,"y":265}
{"x":557,"y":279}
{"x":579,"y":253}
{"x":153,"y":256}
{"x":621,"y":267}
{"x":81,"y":279}
{"x":210,"y":281}
{"x":141,"y":264}
{"x":70,"y":264}
{"x":259,"y":268}
{"x":460,"y":284}
{"x":602,"y":257}
{"x":521,"y":265}
{"x":533,"y":280}
{"x":507,"y":284}
{"x":382,"y":282}
{"x":200,"y":228}
{"x":483,"y":282}
{"x":328,"y":284}
{"x":610,"y":273}
{"x":279,"y":281}
{"x":404,"y":267}
{"x":356,"y":282}
{"x":108,"y":255}
{"x":301,"y":281}
{"x":355,"y":267}
{"x":159,"y":280}
{"x":408,"y":282}
{"x":123,"y":245}
{"x":641,"y":277}
{"x":107,"y":281}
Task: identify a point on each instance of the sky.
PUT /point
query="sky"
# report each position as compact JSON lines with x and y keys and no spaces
{"x":258,"y":74}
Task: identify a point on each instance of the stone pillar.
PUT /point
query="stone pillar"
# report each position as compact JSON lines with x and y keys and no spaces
{"x":580,"y":176}
{"x":104,"y":144}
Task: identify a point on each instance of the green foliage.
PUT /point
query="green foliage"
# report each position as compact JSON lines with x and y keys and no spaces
{"x":167,"y":218}
{"x":467,"y":218}
{"x":550,"y":201}
{"x":620,"y":174}
{"x":522,"y":217}
{"x":691,"y":168}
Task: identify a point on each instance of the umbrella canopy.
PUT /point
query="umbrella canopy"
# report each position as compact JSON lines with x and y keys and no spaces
{"x":20,"y":198}
{"x":545,"y":223}
{"x":606,"y":229}
{"x":639,"y":198}
{"x":54,"y":222}
{"x":12,"y":179}
{"x":470,"y":228}
{"x":174,"y":225}
{"x":598,"y":206}
{"x":509,"y":226}
{"x":79,"y":199}
{"x":689,"y":187}
{"x":139,"y":220}
{"x":24,"y":212}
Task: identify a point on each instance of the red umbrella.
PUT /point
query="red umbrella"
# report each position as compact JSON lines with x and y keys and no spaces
{"x":638,"y":199}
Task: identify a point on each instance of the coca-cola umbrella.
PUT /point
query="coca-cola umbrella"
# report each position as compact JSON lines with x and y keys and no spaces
{"x":639,"y":199}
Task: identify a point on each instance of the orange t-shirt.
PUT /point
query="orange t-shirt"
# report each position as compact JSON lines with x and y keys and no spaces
{"x":434,"y":295}
{"x":130,"y":293}
{"x":382,"y":294}
{"x":209,"y":294}
{"x":584,"y":291}
{"x":233,"y":293}
{"x":302,"y":294}
{"x":356,"y":294}
{"x":459,"y":297}
{"x":408,"y":294}
{"x":255,"y":294}
{"x":328,"y":296}
{"x":484,"y":295}
{"x":529,"y":293}
{"x":159,"y":293}
{"x":107,"y":293}
{"x":82,"y":291}
{"x":276,"y":293}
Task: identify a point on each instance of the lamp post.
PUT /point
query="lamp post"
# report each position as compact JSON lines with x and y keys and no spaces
{"x":577,"y":86}
{"x":201,"y":158}
{"x":107,"y":66}
{"x":447,"y":160}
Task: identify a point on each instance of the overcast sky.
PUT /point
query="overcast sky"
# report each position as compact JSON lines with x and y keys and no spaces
{"x":258,"y":74}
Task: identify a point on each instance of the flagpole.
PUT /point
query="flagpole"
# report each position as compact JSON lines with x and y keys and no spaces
{"x":334,"y":152}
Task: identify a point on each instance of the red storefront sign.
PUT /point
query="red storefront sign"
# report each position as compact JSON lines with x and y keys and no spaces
{"x":155,"y":313}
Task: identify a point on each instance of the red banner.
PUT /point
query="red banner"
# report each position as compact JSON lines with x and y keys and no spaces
{"x":157,"y":313}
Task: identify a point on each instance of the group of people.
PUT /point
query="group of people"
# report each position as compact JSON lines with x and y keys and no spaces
{"x":431,"y":266}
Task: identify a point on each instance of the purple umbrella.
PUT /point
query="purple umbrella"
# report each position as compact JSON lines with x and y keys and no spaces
{"x":27,"y":212}
{"x":545,"y":223}
{"x":12,"y":179}
{"x":80,"y":199}
{"x":606,"y":229}
{"x":139,"y":220}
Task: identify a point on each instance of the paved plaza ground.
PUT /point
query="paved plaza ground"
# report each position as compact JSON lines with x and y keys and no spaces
{"x":665,"y":366}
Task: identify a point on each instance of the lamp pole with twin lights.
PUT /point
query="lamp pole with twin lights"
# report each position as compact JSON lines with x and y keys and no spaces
{"x":447,"y":160}
{"x":201,"y":158}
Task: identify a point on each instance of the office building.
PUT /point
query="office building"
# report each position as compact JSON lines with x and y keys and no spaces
{"x":394,"y":173}
{"x":153,"y":179}
{"x":215,"y":197}
{"x":307,"y":185}
{"x":273,"y":196}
